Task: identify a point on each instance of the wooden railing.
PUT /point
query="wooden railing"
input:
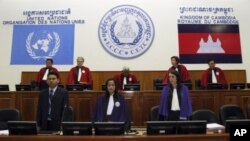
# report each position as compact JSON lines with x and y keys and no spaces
{"x":139,"y":103}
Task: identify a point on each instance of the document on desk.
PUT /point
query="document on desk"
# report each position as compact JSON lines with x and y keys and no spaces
{"x":4,"y":132}
{"x":215,"y":127}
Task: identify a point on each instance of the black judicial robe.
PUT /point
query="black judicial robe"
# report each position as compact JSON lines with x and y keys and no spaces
{"x":119,"y":113}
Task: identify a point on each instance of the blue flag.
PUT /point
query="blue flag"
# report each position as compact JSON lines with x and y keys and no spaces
{"x":33,"y":44}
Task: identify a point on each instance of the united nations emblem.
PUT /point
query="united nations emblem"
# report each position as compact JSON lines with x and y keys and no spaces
{"x":42,"y":44}
{"x":126,"y":31}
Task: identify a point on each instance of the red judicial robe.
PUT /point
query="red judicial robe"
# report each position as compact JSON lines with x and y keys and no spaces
{"x":85,"y":77}
{"x":183,"y":74}
{"x":207,"y":77}
{"x":131,"y":79}
{"x":39,"y":78}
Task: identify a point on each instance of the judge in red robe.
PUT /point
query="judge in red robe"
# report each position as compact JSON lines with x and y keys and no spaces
{"x":182,"y":70}
{"x":213,"y":73}
{"x":125,"y":77}
{"x":41,"y":77}
{"x":80,"y":74}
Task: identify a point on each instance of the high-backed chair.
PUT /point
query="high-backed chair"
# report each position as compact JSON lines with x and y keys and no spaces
{"x":154,"y":113}
{"x":157,"y":81}
{"x":230,"y":112}
{"x":68,"y":114}
{"x":204,"y":114}
{"x":197,"y":85}
{"x":8,"y":114}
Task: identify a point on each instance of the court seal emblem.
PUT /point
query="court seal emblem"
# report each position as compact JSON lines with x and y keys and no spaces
{"x":126,"y":31}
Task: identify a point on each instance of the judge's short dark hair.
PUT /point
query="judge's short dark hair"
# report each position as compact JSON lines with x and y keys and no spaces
{"x":209,"y":60}
{"x":50,"y":59}
{"x":177,"y":59}
{"x":53,"y":73}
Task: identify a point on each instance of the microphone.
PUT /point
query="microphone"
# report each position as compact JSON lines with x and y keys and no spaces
{"x":64,"y":111}
{"x":63,"y":115}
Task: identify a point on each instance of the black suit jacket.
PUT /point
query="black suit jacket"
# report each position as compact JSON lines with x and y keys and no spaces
{"x":59,"y":101}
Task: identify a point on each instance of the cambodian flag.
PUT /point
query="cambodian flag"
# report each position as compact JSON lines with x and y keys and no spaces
{"x":33,"y":44}
{"x":200,"y":42}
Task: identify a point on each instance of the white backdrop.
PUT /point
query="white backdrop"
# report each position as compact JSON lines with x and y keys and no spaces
{"x":164,"y":14}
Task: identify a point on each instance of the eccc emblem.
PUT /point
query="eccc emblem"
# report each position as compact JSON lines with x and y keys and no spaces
{"x":42,"y":45}
{"x":126,"y":31}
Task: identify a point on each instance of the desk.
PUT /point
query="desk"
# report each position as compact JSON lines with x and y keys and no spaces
{"x":139,"y":103}
{"x":145,"y":77}
{"x":207,"y":137}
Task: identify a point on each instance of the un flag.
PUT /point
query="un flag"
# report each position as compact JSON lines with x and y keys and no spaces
{"x":32,"y":44}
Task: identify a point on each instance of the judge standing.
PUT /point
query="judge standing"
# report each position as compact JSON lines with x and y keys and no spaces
{"x":111,"y":106}
{"x":213,"y":75}
{"x":41,"y":78}
{"x":181,"y":69}
{"x":175,"y":100}
{"x":80,"y":74}
{"x":51,"y":104}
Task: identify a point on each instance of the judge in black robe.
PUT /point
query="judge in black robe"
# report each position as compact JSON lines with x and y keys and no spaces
{"x":119,"y":111}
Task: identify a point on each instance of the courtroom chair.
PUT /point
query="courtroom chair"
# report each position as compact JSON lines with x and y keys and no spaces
{"x":157,"y":81}
{"x":204,"y":114}
{"x":230,"y":112}
{"x":34,"y":85}
{"x":197,"y":84}
{"x":154,"y":113}
{"x":248,"y":111}
{"x":68,"y":114}
{"x":8,"y":114}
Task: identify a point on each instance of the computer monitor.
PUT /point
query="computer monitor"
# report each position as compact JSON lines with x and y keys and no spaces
{"x":77,"y":128}
{"x":76,"y":87}
{"x":23,"y":87}
{"x":159,"y":86}
{"x":4,"y":88}
{"x":22,"y":127}
{"x":189,"y":85}
{"x":161,"y":127}
{"x":236,"y":123}
{"x":213,"y":86}
{"x":132,"y":87}
{"x":191,"y":127}
{"x":248,"y":85}
{"x":237,"y":86}
{"x":109,"y":128}
{"x":61,"y":85}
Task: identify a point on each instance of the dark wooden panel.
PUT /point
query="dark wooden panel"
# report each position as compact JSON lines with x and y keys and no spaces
{"x":148,"y":100}
{"x":139,"y":103}
{"x":192,"y":137}
{"x":83,"y":104}
{"x":7,"y":100}
{"x":133,"y":106}
{"x":27,"y":104}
